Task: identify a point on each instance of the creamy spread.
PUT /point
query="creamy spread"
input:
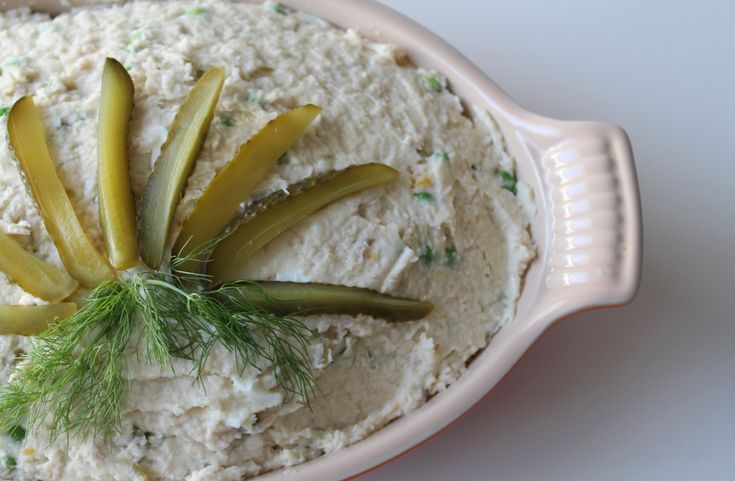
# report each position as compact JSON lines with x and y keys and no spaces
{"x":445,"y":231}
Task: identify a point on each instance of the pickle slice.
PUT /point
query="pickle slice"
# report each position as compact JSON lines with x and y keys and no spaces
{"x":28,"y":141}
{"x":32,"y":274}
{"x":176,"y":161}
{"x":32,"y":320}
{"x":116,"y":204}
{"x":268,"y":218}
{"x":296,"y":298}
{"x":235,"y":182}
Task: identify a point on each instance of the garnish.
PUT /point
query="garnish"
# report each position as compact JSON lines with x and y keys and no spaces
{"x":32,"y":320}
{"x":269,"y":217}
{"x":423,"y":195}
{"x":176,"y":161}
{"x":28,"y":141}
{"x":116,"y":204}
{"x":10,"y":463}
{"x":4,"y":111}
{"x":77,"y":374}
{"x":292,"y":298}
{"x":32,"y":274}
{"x":227,"y":121}
{"x":508,"y":180}
{"x":234,"y":184}
{"x":77,"y":369}
{"x":75,"y":377}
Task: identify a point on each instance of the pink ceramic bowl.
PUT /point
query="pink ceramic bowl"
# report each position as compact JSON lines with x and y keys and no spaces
{"x":587,"y":226}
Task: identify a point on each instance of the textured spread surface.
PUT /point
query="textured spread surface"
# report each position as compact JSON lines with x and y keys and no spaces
{"x":445,"y":231}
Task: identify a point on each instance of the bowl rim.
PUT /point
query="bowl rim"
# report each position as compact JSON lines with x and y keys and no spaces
{"x":561,"y":282}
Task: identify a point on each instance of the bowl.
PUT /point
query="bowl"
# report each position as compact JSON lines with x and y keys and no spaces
{"x":587,"y":226}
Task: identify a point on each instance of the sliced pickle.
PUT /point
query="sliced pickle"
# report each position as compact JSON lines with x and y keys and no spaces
{"x":268,"y":218}
{"x":176,"y":161}
{"x":28,"y":141}
{"x":32,"y":274}
{"x":116,"y":204}
{"x":295,"y":298}
{"x":32,"y":320}
{"x":235,"y":182}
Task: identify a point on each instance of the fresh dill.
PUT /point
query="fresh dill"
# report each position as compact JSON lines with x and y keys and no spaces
{"x":75,"y":378}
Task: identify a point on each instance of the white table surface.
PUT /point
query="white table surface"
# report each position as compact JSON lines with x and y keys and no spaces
{"x":646,"y":392}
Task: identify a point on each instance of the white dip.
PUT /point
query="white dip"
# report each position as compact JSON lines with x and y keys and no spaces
{"x":376,"y":109}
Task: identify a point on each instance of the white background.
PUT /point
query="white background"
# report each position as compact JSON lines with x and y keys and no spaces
{"x":646,"y":392}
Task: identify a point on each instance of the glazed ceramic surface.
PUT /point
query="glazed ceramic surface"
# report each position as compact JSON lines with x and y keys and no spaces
{"x":587,"y":226}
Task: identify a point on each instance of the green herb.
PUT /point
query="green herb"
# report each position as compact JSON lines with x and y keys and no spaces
{"x":135,"y":41}
{"x":4,"y":111}
{"x":423,"y":195}
{"x":10,"y":463}
{"x":254,"y":97}
{"x":279,"y":9}
{"x":441,"y":155}
{"x":196,"y":11}
{"x":426,"y":254}
{"x":76,"y":375}
{"x":284,"y":159}
{"x":17,"y":433}
{"x":432,"y":82}
{"x":508,"y":179}
{"x":227,"y":121}
{"x":450,"y":256}
{"x":11,"y":64}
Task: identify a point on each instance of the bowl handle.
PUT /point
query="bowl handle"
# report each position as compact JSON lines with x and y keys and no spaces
{"x":595,"y":252}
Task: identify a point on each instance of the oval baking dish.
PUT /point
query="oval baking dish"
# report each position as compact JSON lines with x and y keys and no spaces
{"x":587,"y":225}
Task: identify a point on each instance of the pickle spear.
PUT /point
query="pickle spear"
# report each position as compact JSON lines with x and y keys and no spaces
{"x":27,"y":139}
{"x":235,"y":182}
{"x":174,"y":164}
{"x":117,"y":208}
{"x":268,"y":218}
{"x":32,"y":274}
{"x":296,"y":298}
{"x":32,"y":320}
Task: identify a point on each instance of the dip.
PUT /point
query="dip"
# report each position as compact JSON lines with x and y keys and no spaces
{"x":452,"y":229}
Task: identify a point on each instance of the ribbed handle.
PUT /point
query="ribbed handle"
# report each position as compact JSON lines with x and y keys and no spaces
{"x":595,"y":252}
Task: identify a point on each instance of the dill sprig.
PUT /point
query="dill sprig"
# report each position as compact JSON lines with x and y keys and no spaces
{"x":75,"y":378}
